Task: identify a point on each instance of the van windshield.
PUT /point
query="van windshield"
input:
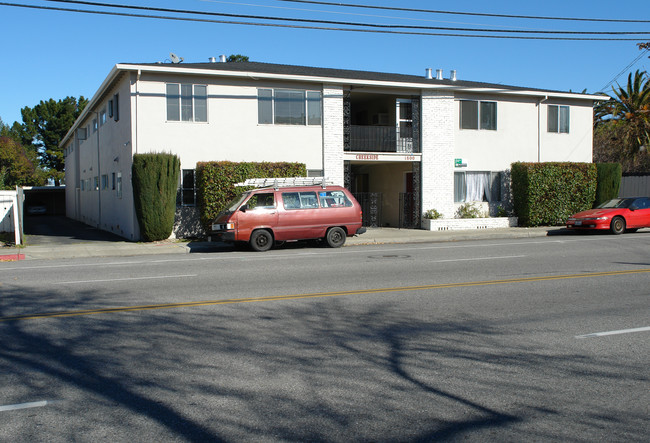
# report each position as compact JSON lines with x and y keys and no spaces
{"x":236,"y":202}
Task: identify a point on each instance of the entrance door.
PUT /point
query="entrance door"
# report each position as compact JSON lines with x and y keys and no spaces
{"x":404,"y":125}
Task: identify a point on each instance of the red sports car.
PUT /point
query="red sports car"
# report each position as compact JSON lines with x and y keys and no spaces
{"x":618,"y":215}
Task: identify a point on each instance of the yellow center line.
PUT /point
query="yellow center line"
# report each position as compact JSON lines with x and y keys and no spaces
{"x":317,"y":295}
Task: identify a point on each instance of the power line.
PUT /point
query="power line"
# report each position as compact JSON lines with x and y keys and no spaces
{"x":639,"y":57}
{"x":324,"y":28}
{"x":339,"y":23}
{"x":477,"y":14}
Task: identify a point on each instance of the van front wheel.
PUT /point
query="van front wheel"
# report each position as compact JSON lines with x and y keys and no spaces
{"x":335,"y":237}
{"x":261,"y":240}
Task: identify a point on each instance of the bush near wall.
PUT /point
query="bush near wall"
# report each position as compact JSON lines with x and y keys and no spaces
{"x":609,"y":181}
{"x":155,"y":180}
{"x":548,"y":193}
{"x":215,"y":182}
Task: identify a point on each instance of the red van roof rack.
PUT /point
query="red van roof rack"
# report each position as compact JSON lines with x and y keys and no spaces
{"x":285,"y":182}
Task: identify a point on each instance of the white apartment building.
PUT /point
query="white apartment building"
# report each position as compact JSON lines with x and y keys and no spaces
{"x":403,"y":144}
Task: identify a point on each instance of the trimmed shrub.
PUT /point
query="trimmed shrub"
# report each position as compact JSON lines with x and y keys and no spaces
{"x":155,"y":180}
{"x":215,"y":182}
{"x":608,"y":182}
{"x":469,"y":210}
{"x":432,"y":214}
{"x":548,"y":193}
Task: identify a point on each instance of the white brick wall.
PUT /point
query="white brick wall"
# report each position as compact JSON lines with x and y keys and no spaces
{"x":333,"y":133}
{"x":438,"y":152}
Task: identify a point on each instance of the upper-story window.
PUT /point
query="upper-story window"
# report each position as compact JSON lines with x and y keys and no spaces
{"x":289,"y":107}
{"x":187,"y":102}
{"x":478,"y":115}
{"x":558,"y":119}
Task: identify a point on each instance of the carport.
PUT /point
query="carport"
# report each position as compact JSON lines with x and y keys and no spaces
{"x":52,"y":197}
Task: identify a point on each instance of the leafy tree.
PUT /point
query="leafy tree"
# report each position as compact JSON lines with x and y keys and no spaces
{"x":622,"y":125}
{"x":45,"y":125}
{"x":17,"y":164}
{"x":234,"y":58}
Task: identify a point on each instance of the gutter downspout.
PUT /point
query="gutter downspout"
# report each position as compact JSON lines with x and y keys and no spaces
{"x":99,"y":176}
{"x":134,"y":150}
{"x":539,"y":128}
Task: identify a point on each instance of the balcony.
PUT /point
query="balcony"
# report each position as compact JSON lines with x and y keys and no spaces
{"x":381,"y":139}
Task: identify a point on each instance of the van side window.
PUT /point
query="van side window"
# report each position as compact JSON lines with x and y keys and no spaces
{"x":299,"y":200}
{"x":333,"y":199}
{"x":264,"y":200}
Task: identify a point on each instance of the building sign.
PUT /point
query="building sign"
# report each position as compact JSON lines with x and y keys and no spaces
{"x":458,"y":163}
{"x":384,"y":157}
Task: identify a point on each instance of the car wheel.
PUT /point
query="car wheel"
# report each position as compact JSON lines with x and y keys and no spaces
{"x":335,"y":237}
{"x":261,"y":240}
{"x":617,"y":226}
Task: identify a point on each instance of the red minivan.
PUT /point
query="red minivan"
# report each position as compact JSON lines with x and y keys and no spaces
{"x":264,"y":216}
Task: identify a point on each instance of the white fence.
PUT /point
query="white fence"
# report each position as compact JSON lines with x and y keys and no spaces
{"x":11,"y":213}
{"x":635,"y":186}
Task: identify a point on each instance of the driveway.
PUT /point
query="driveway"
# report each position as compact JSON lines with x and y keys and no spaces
{"x":56,"y":229}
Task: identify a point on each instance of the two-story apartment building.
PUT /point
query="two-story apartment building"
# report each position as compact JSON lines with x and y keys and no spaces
{"x":402,"y":143}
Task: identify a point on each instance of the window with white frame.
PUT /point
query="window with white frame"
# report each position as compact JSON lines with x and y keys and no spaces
{"x":558,"y":119}
{"x":471,"y":186}
{"x":188,"y":188}
{"x":187,"y":102}
{"x":289,"y":107}
{"x":102,"y":117}
{"x":478,"y":115}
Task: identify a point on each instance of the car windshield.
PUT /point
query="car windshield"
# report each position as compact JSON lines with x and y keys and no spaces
{"x":616,"y":203}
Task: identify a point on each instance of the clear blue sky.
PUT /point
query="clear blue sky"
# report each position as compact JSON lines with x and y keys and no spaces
{"x":54,"y":54}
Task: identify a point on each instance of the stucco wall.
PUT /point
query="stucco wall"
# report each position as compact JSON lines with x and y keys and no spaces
{"x":232,"y":131}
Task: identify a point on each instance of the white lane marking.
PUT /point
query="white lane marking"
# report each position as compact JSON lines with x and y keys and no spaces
{"x":123,"y":279}
{"x":621,"y":331}
{"x":33,"y":404}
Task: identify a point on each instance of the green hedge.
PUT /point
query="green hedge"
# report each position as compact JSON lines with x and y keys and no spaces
{"x":548,"y":193}
{"x":155,"y":180}
{"x":609,"y":181}
{"x":215,"y":182}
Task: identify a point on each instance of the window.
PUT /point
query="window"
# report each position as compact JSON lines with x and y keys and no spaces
{"x":289,"y":107}
{"x":96,"y":183}
{"x":104,"y":181}
{"x":265,"y":106}
{"x":333,"y":199}
{"x":94,"y":125}
{"x":116,"y":107}
{"x":313,"y":108}
{"x":477,"y":186}
{"x":558,"y":119}
{"x":187,"y":102}
{"x":113,"y":181}
{"x":118,"y":189}
{"x":478,"y":115}
{"x":102,"y":117}
{"x":299,"y":200}
{"x":262,"y":200}
{"x":188,"y":188}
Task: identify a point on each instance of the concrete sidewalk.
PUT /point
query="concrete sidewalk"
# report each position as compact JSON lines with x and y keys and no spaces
{"x":372,"y":236}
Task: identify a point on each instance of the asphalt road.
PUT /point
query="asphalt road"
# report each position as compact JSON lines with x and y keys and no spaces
{"x":541,"y":339}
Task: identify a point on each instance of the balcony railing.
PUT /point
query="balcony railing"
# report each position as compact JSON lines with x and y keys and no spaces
{"x":381,"y":139}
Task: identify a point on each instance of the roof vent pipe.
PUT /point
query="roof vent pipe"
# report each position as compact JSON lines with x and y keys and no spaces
{"x":452,"y":76}
{"x":222,"y":59}
{"x":213,"y":59}
{"x":429,"y":75}
{"x":438,"y":74}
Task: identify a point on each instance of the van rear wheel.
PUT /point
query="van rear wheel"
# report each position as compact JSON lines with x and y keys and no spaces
{"x":261,"y":240}
{"x":335,"y":237}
